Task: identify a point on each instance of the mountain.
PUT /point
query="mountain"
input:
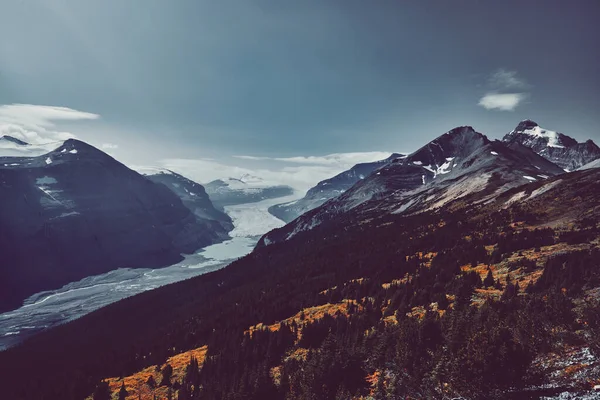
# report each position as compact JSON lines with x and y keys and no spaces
{"x":456,"y":164}
{"x":492,"y":300}
{"x":246,"y":189}
{"x":328,"y":189}
{"x":557,"y":147}
{"x":76,"y":212}
{"x":192,"y":194}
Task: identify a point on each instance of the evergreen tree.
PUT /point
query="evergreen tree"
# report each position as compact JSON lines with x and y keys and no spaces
{"x":150,"y":382}
{"x":167,"y":371}
{"x":123,"y":392}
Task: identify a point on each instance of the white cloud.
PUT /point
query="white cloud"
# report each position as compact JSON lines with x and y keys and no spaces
{"x":35,"y":124}
{"x":503,"y":95}
{"x":330,"y":159}
{"x":301,"y":173}
{"x":502,"y":101}
{"x":109,"y":146}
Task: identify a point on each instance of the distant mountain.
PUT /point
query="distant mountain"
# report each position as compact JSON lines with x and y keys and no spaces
{"x":557,"y":147}
{"x":76,"y":212}
{"x":458,"y":163}
{"x":328,"y":189}
{"x":246,"y":189}
{"x":192,"y":194}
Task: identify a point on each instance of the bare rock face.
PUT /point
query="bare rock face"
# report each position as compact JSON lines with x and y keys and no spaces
{"x":76,"y":212}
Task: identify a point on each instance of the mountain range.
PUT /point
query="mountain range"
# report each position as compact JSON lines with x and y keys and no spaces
{"x":558,"y":148}
{"x":456,"y":164}
{"x":242,"y":190}
{"x":466,"y":269}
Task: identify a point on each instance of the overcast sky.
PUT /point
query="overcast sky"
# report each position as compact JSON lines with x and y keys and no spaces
{"x":193,"y":79}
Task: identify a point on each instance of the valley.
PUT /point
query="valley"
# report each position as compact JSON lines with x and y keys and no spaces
{"x":50,"y":308}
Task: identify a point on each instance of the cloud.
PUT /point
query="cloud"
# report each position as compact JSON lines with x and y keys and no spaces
{"x":502,"y":94}
{"x":35,"y":124}
{"x":301,"y":173}
{"x":109,"y":146}
{"x":330,"y":159}
{"x":501,"y":101}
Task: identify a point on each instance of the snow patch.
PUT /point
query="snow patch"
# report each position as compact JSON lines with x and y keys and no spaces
{"x":531,"y":178}
{"x":48,"y":161}
{"x":445,"y":167}
{"x":551,"y":136}
{"x":74,"y":151}
{"x":493,"y":153}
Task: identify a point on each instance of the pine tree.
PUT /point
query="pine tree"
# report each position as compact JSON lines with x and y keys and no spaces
{"x":167,"y":371}
{"x":123,"y":392}
{"x":150,"y":382}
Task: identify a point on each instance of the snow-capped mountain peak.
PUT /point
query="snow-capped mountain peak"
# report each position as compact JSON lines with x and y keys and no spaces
{"x":537,"y":133}
{"x":557,"y":147}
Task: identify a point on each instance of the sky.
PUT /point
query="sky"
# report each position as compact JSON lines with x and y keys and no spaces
{"x":288,"y":88}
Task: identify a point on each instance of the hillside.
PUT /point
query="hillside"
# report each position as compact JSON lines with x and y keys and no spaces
{"x":495,"y":300}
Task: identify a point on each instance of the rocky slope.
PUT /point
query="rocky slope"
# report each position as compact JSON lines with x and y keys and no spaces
{"x":557,"y":147}
{"x":76,"y":212}
{"x":328,"y":189}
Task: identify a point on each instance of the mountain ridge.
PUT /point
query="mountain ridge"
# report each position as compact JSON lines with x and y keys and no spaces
{"x":455,"y":164}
